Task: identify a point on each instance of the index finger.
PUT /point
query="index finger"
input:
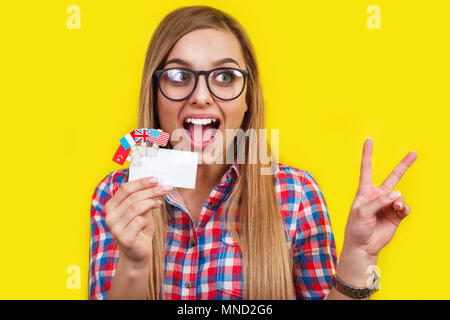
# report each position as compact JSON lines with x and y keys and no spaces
{"x":130,"y":187}
{"x":365,"y":176}
{"x":398,"y":172}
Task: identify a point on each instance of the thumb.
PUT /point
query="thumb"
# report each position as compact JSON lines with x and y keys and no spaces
{"x":371,"y":208}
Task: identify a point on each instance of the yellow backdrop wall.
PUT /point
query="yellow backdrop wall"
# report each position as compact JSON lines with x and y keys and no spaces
{"x":329,"y":80}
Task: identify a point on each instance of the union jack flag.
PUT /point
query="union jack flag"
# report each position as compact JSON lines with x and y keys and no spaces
{"x":141,"y":135}
{"x":158,"y":137}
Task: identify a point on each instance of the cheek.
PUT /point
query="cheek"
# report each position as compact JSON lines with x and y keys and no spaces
{"x":235,"y":114}
{"x":167,"y":114}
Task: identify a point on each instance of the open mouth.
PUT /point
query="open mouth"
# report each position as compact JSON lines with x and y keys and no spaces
{"x":201,"y":129}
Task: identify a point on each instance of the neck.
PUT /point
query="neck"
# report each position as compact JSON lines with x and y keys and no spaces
{"x":209,"y":175}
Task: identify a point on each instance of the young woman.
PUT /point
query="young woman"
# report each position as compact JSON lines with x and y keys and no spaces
{"x":239,"y":234}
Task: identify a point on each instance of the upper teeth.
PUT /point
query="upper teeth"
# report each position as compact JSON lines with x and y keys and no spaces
{"x":200,"y":121}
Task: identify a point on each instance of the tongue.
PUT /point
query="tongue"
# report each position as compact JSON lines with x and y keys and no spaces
{"x":201,"y":133}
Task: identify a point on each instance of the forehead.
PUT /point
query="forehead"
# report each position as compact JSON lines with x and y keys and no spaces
{"x":201,"y":48}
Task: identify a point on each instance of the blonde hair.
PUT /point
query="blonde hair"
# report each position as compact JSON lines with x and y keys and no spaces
{"x":267,"y":262}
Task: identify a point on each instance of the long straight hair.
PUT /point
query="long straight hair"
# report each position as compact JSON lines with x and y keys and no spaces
{"x":259,"y":230}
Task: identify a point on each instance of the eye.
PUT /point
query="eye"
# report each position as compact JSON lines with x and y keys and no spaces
{"x":225,"y":76}
{"x":178,"y":75}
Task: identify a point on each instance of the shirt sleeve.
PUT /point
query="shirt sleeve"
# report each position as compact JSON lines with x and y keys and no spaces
{"x":104,"y":251}
{"x":314,"y":253}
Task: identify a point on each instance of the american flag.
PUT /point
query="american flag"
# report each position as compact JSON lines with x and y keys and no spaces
{"x":158,"y":137}
{"x":141,"y":135}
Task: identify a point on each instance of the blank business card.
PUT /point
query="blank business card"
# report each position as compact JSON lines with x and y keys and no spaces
{"x":172,"y":167}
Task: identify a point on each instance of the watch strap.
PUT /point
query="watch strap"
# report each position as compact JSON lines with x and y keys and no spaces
{"x":353,"y":292}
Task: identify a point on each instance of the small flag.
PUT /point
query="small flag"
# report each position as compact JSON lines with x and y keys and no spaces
{"x":121,"y":155}
{"x":127,"y":141}
{"x":141,"y":135}
{"x":158,"y":137}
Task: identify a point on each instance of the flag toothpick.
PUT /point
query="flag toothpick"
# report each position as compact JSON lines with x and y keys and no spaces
{"x":133,"y":146}
{"x":158,"y":138}
{"x":143,"y":149}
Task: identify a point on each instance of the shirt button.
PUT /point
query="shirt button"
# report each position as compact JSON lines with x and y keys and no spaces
{"x":188,"y":284}
{"x":228,"y":176}
{"x":211,"y":206}
{"x":193,"y":243}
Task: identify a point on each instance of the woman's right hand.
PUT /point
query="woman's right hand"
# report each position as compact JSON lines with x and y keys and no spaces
{"x":129,"y":218}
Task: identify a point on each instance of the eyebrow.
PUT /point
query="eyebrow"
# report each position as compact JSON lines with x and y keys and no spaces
{"x":215,"y":64}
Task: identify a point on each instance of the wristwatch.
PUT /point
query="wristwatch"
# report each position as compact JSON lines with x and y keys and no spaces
{"x":356,"y":293}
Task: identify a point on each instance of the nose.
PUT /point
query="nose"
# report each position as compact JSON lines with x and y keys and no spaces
{"x":201,"y":95}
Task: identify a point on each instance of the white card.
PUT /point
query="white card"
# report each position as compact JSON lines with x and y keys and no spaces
{"x":172,"y":167}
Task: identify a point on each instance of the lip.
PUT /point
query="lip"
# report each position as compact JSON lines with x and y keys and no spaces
{"x":200,"y":146}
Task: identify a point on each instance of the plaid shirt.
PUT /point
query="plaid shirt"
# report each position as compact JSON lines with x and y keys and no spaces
{"x":205,"y":262}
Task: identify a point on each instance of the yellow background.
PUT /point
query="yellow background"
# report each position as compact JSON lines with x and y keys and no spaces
{"x":329,"y":82}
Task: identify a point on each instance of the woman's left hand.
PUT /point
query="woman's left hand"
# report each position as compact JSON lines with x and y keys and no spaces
{"x":376,"y":212}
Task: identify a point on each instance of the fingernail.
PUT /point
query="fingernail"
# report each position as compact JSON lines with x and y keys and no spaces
{"x":369,"y":138}
{"x":399,"y":204}
{"x":159,"y":201}
{"x":395,"y":195}
{"x":166,"y":188}
{"x":153,"y":180}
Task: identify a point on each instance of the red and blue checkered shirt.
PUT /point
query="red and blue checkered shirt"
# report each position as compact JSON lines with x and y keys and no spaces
{"x":204,"y":261}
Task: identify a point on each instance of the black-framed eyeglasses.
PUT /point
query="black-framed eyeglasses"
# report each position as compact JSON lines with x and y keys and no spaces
{"x":179,"y":83}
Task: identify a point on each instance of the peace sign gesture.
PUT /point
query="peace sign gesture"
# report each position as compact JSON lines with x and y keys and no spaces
{"x":376,"y":212}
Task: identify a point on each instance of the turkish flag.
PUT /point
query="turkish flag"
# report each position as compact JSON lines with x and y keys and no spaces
{"x":121,"y":155}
